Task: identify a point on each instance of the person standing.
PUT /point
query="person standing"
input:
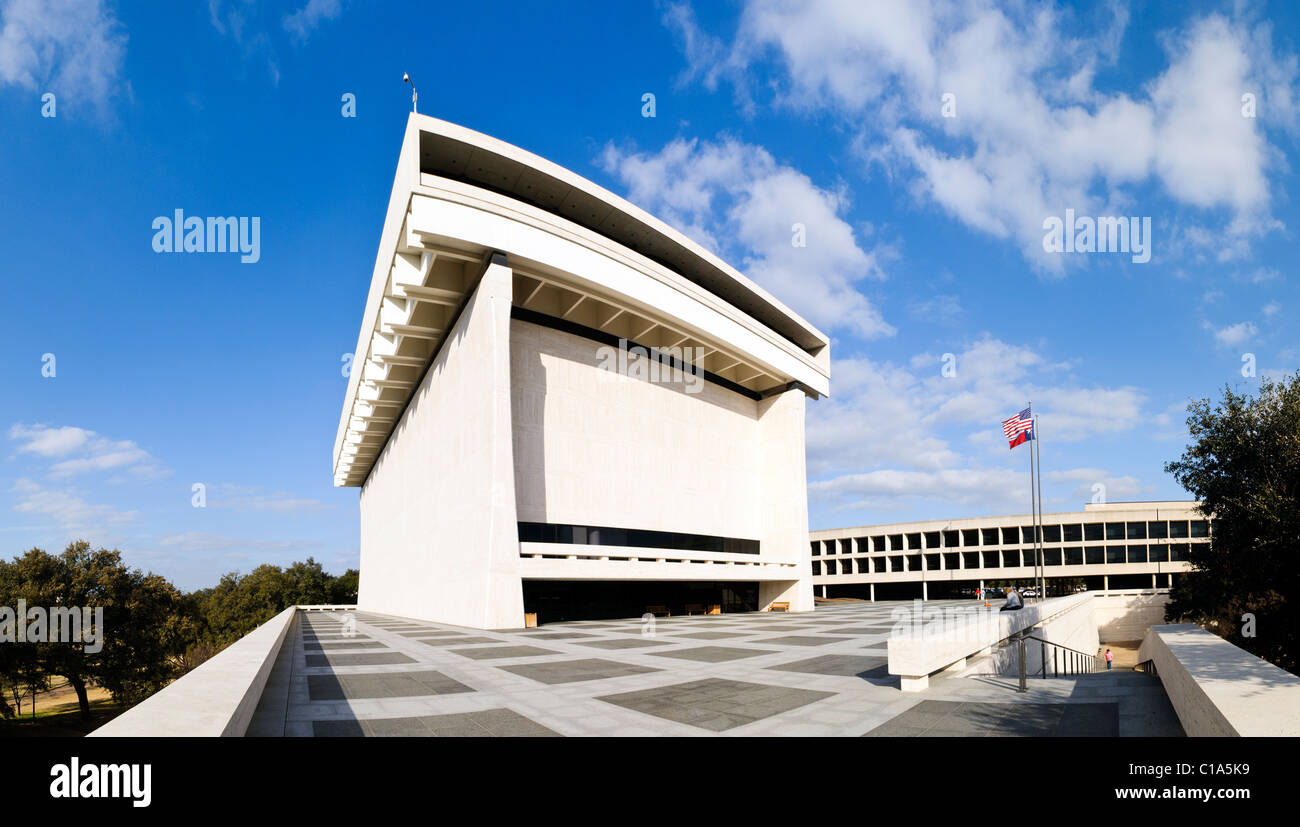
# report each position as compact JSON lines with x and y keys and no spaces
{"x":1110,"y":658}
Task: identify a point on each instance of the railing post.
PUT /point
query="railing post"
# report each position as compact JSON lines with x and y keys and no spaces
{"x":1021,"y":646}
{"x":1042,"y":655}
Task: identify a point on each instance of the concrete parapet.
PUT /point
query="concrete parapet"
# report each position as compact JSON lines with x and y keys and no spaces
{"x":1219,"y":689}
{"x":216,"y":699}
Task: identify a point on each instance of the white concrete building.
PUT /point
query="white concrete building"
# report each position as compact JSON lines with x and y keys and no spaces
{"x":561,"y":405}
{"x":1105,"y":547}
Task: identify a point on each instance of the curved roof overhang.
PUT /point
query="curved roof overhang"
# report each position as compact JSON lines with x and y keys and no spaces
{"x":460,"y":197}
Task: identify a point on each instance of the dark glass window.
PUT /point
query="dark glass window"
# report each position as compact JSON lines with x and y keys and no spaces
{"x":1072,"y":533}
{"x":931,"y":562}
{"x":895,"y":542}
{"x":1114,"y":531}
{"x":1073,"y":556}
{"x":913,"y":562}
{"x":971,"y":559}
{"x":1136,"y":554}
{"x":817,"y":567}
{"x":1011,"y":536}
{"x":990,"y":536}
{"x":991,"y":560}
{"x":1027,"y":534}
{"x":864,"y":565}
{"x":1051,"y":557}
{"x":914,"y":542}
{"x":1010,"y":559}
{"x":878,"y":543}
{"x":880,"y":563}
{"x":1200,"y":528}
{"x":816,"y":548}
{"x":1157,"y":529}
{"x":1051,"y":534}
{"x":1177,"y":528}
{"x":1158,"y":554}
{"x":951,"y":539}
{"x":896,"y":563}
{"x":1137,"y":531}
{"x":1177,"y":551}
{"x":846,"y":545}
{"x":830,"y":567}
{"x":970,"y":536}
{"x":1094,"y":555}
{"x":1114,"y":554}
{"x":932,"y":539}
{"x":951,"y":560}
{"x":1092,"y":531}
{"x":641,"y":538}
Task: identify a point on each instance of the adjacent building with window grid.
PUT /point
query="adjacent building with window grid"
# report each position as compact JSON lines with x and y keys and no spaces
{"x":1111,"y":546}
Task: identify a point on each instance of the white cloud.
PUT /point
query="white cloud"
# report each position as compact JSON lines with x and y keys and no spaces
{"x":73,"y":48}
{"x":1233,"y":335}
{"x":895,"y":431}
{"x":303,"y":22}
{"x":86,"y":451}
{"x":1033,"y":134}
{"x":65,"y":508}
{"x":735,"y":199}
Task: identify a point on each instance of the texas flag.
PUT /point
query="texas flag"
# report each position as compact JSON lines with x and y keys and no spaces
{"x":1019,"y":428}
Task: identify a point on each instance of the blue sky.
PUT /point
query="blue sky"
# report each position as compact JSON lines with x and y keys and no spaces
{"x":924,"y":234}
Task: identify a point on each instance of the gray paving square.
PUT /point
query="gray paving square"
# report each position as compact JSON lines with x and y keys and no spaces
{"x":382,"y":685}
{"x":714,"y":703}
{"x":844,"y":665}
{"x":624,"y":643}
{"x":493,"y":652}
{"x":800,"y":640}
{"x":359,"y":659}
{"x":572,"y":671}
{"x":713,"y":654}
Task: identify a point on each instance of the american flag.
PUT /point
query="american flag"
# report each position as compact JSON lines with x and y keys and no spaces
{"x":1019,"y":428}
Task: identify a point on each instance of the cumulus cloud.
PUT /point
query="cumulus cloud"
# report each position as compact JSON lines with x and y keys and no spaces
{"x":894,"y":435}
{"x":1233,"y":335}
{"x":73,"y":48}
{"x":1033,"y":134}
{"x":737,"y":200}
{"x":80,"y":451}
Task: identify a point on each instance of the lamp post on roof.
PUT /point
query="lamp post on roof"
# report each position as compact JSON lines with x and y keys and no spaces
{"x":415,"y":96}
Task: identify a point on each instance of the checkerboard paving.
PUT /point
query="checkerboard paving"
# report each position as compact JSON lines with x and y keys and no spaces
{"x":821,"y":673}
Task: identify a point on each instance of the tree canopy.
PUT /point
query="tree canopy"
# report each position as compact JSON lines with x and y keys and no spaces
{"x":1243,"y":464}
{"x":152,"y":632}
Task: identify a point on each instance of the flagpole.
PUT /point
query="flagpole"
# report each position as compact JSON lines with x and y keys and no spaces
{"x":1033,"y":508}
{"x":1042,"y":564}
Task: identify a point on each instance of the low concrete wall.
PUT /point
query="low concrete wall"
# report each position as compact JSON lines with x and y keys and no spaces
{"x":216,"y":699}
{"x":1122,"y":617}
{"x":1220,"y":689}
{"x":937,"y":642}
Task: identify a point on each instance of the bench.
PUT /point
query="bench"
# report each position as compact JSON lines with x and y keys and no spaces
{"x":658,"y":611}
{"x":694,"y":608}
{"x":779,"y":607}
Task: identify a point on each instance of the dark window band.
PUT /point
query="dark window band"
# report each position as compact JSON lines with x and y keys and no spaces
{"x":606,"y":536}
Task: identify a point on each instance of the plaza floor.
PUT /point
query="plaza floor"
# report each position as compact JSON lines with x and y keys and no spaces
{"x":820,"y":673}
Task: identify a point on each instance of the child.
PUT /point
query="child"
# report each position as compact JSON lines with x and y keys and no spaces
{"x":1110,"y":657}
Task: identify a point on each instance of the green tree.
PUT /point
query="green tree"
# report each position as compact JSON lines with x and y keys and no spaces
{"x":1243,"y":464}
{"x":141,"y":635}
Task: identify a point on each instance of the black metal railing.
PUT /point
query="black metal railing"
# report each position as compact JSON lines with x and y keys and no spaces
{"x":1063,"y":660}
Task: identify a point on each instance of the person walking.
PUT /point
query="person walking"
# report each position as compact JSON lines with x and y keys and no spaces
{"x":1110,"y":658}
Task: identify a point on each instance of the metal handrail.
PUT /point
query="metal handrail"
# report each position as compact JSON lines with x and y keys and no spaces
{"x":1065,"y":661}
